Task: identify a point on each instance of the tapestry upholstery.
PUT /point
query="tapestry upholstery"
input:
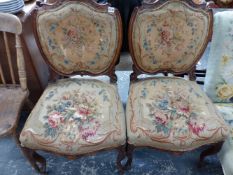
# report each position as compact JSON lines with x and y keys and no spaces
{"x":77,"y":37}
{"x":219,"y":76}
{"x":172,"y":114}
{"x":226,"y":111}
{"x":76,"y":117}
{"x":226,"y":153}
{"x":169,"y":37}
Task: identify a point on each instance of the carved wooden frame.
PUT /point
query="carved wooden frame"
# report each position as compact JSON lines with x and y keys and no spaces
{"x":213,"y":148}
{"x":37,"y":161}
{"x":110,"y":71}
{"x":137,"y":70}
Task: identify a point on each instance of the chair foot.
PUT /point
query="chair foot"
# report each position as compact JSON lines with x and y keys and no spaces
{"x":124,"y":151}
{"x":121,"y":156}
{"x":37,"y":161}
{"x":213,"y":149}
{"x":129,"y":154}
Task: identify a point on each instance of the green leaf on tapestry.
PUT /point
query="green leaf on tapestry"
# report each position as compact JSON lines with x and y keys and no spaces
{"x":158,"y":128}
{"x":165,"y":130}
{"x":50,"y":132}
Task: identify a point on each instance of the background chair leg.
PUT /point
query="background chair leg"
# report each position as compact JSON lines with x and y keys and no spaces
{"x":29,"y":104}
{"x":129,"y":153}
{"x":37,"y":161}
{"x":213,"y":149}
{"x":121,"y":156}
{"x":125,"y":151}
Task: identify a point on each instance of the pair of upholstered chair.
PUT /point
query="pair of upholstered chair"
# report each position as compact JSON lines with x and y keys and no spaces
{"x":75,"y":116}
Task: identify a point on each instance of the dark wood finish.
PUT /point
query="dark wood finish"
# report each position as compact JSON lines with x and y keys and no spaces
{"x":220,"y":4}
{"x":110,"y":71}
{"x":213,"y":149}
{"x":157,"y":4}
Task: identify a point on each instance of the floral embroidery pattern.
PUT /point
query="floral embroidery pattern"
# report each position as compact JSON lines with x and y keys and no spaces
{"x":73,"y":109}
{"x":224,"y":87}
{"x":169,"y":40}
{"x":76,"y":40}
{"x":168,"y":110}
{"x":173,"y":114}
{"x":76,"y":116}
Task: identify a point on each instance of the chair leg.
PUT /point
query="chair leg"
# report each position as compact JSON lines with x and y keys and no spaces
{"x":29,"y":104}
{"x":37,"y":161}
{"x":121,"y":156}
{"x":129,"y":154}
{"x":123,"y":153}
{"x":213,"y":149}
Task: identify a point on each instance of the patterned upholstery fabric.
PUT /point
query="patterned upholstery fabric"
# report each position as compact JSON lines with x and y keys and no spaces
{"x":226,"y":111}
{"x":226,"y":153}
{"x":219,"y":76}
{"x":77,"y":37}
{"x":172,"y":114}
{"x":76,"y":117}
{"x":170,"y":38}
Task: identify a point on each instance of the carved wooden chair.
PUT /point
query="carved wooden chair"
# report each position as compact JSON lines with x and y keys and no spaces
{"x":13,"y":88}
{"x":75,"y":116}
{"x":170,"y":113}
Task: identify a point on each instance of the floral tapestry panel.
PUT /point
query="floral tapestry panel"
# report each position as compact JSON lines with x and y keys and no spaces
{"x":219,"y":76}
{"x":77,"y":37}
{"x":172,"y":114}
{"x":170,"y":38}
{"x":76,"y":117}
{"x":226,"y":111}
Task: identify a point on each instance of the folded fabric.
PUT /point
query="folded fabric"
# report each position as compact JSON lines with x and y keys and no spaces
{"x":226,"y":153}
{"x":219,"y":76}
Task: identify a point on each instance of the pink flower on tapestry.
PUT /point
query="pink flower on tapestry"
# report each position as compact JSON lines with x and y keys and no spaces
{"x":84,"y":111}
{"x":161,"y":118}
{"x":72,"y":34}
{"x":195,"y":128}
{"x":55,"y":120}
{"x":166,"y":36}
{"x":88,"y":133}
{"x":90,"y":130}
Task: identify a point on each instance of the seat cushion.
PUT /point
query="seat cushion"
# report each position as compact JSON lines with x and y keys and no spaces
{"x":11,"y":101}
{"x":75,"y":117}
{"x":172,"y":114}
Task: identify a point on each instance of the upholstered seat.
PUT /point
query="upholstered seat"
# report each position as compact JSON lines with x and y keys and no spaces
{"x":75,"y":117}
{"x":172,"y":114}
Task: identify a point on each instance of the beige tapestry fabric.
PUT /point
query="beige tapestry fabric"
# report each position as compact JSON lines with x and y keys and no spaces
{"x":170,"y":38}
{"x":76,"y":37}
{"x":76,"y":117}
{"x":172,"y":114}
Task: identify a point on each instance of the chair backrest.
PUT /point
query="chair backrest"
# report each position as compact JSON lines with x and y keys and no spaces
{"x":10,"y":24}
{"x":79,"y":37}
{"x":169,"y":36}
